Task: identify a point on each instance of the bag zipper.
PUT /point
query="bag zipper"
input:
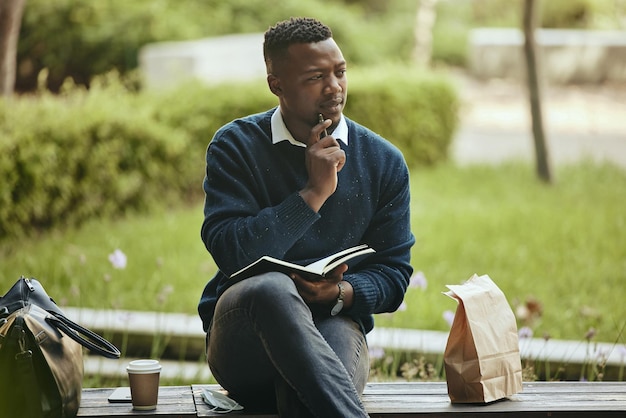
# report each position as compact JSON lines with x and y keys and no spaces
{"x":26,"y":293}
{"x":29,"y":284}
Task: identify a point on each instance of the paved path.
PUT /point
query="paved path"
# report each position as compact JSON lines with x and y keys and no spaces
{"x":580,"y":122}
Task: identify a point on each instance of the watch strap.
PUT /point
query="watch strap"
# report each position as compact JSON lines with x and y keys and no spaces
{"x":339,"y":304}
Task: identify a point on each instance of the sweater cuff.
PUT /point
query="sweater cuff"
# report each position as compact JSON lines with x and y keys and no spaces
{"x":364,"y":296}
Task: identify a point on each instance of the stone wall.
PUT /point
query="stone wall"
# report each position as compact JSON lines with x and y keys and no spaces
{"x":212,"y":60}
{"x":565,"y":56}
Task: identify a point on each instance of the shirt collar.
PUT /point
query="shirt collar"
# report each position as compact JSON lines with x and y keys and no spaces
{"x":281,"y":133}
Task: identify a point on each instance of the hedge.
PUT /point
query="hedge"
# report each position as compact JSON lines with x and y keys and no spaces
{"x":417,"y":111}
{"x":106,"y":151}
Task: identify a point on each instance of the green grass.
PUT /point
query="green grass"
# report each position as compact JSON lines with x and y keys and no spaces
{"x":561,"y":244}
{"x":166,"y":263}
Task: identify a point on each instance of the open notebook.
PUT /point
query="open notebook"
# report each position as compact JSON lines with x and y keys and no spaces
{"x":317,"y":269}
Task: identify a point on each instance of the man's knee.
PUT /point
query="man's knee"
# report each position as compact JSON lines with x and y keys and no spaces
{"x":268,"y":288}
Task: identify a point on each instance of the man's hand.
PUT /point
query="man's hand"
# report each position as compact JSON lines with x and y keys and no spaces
{"x":324,"y":159}
{"x":324,"y":291}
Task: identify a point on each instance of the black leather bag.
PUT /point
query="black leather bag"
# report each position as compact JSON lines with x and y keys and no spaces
{"x":41,"y":355}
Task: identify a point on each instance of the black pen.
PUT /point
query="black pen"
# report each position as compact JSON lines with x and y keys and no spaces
{"x":321,"y":119}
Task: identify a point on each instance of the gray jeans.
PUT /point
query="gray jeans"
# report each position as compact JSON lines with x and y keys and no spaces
{"x":269,"y":349}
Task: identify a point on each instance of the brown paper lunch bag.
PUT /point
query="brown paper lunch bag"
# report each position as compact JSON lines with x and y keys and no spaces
{"x":482,"y":359}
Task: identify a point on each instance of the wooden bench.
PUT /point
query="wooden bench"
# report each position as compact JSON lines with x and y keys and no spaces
{"x":401,"y":400}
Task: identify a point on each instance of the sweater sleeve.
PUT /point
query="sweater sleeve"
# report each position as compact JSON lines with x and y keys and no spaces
{"x":380,"y":284}
{"x":241,"y":222}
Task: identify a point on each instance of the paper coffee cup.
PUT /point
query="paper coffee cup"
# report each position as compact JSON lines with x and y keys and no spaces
{"x":143,"y":376}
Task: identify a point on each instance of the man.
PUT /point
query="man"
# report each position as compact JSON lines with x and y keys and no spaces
{"x":283,"y":184}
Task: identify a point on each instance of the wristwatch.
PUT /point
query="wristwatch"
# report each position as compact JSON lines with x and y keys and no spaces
{"x":339,"y":305}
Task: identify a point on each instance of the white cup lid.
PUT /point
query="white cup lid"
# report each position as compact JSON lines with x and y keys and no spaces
{"x":143,"y":366}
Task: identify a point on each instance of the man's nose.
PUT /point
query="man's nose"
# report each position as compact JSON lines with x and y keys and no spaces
{"x":333,"y":85}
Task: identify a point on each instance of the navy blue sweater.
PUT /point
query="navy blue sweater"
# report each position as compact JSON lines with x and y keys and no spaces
{"x":253,"y":208}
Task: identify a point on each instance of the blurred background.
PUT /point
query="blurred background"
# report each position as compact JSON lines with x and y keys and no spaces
{"x":80,"y":39}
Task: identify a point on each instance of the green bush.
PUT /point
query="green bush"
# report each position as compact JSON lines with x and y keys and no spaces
{"x":416,"y":111}
{"x":106,"y":151}
{"x":201,"y":110}
{"x":78,"y":156}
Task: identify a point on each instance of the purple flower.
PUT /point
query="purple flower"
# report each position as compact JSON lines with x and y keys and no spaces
{"x":448,"y":316}
{"x":118,"y":259}
{"x":525,"y":332}
{"x":419,"y":280}
{"x":601,"y":354}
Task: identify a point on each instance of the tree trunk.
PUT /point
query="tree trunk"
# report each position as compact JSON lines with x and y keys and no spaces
{"x":10,"y":22}
{"x":423,"y":34}
{"x":541,"y":150}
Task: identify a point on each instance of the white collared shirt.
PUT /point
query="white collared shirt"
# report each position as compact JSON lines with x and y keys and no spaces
{"x":281,"y":133}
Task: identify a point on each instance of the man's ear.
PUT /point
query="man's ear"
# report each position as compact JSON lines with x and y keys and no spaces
{"x":274,"y":84}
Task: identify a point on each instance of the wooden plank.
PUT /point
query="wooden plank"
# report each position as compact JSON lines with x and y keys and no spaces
{"x":420,"y":399}
{"x":174,"y":402}
{"x":204,"y":410}
{"x":402,"y":400}
{"x":536,"y":399}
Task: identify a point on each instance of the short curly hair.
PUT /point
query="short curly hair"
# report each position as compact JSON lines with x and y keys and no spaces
{"x":293,"y":31}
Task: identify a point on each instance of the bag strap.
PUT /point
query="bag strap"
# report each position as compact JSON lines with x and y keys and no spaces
{"x":83,"y":336}
{"x":26,"y":375}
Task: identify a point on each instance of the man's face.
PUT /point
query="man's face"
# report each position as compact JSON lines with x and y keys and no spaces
{"x":311,"y":80}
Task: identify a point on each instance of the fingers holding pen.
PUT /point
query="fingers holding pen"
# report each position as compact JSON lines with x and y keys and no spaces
{"x":319,"y":131}
{"x":323,"y":121}
{"x":325,"y":146}
{"x":324,"y":159}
